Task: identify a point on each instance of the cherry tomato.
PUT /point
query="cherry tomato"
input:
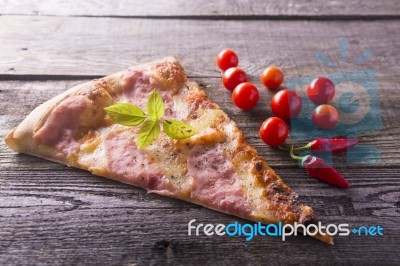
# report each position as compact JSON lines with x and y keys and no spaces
{"x":274,"y":131}
{"x":272,"y":77}
{"x":245,"y":96}
{"x":286,"y":104}
{"x":233,"y":77}
{"x":321,"y":90}
{"x":325,"y":116}
{"x":227,"y":59}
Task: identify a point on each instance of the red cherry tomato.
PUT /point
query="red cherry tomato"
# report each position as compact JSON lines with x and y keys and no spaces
{"x":233,"y":77}
{"x":227,"y":59}
{"x":321,"y":90}
{"x":274,"y":131}
{"x":286,"y":104}
{"x":245,"y":96}
{"x":325,"y":116}
{"x":272,"y":77}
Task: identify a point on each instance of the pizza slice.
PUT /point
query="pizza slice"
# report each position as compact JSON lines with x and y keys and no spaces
{"x":215,"y":168}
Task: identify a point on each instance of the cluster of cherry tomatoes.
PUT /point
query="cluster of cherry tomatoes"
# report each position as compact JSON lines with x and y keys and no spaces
{"x":321,"y":91}
{"x":285,"y":104}
{"x":244,"y":94}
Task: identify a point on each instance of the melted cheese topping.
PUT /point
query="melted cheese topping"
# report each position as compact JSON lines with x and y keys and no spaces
{"x":171,"y":156}
{"x":217,"y":134}
{"x":216,"y":168}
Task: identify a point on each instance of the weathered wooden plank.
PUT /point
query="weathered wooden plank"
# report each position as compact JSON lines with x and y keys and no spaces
{"x":99,"y":46}
{"x":61,"y":188}
{"x":29,"y":94}
{"x":51,"y":214}
{"x":122,"y":236}
{"x":123,"y":223}
{"x":214,"y":8}
{"x":46,"y":214}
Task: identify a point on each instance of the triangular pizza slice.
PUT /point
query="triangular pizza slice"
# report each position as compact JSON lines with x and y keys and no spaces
{"x":215,"y":168}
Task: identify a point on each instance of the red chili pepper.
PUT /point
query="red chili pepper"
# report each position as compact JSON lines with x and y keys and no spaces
{"x":319,"y":169}
{"x":332,"y":145}
{"x":328,"y":145}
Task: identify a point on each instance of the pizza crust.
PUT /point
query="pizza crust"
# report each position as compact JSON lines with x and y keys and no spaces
{"x":20,"y":139}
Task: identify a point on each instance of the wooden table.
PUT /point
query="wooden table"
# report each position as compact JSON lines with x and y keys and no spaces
{"x":52,"y":214}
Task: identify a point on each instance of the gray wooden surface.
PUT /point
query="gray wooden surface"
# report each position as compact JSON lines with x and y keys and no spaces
{"x":290,"y":9}
{"x":52,"y":214}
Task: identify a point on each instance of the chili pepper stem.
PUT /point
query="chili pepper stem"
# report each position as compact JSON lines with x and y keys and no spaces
{"x":298,"y":158}
{"x":302,"y":148}
{"x":295,"y":157}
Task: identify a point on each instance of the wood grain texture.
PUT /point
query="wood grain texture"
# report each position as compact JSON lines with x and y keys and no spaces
{"x":52,"y":214}
{"x":71,"y":217}
{"x":99,"y":46}
{"x":48,"y":209}
{"x":215,"y":8}
{"x":31,"y":93}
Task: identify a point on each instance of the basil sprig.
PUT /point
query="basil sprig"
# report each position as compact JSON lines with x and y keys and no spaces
{"x":130,"y":115}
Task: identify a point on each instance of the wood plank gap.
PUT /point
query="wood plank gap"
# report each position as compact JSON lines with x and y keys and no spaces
{"x":45,"y":77}
{"x":235,"y":17}
{"x":263,"y":17}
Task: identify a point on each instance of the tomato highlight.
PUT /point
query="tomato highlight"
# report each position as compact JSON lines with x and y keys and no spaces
{"x":286,"y":104}
{"x":321,"y":90}
{"x":233,"y":77}
{"x":274,"y":131}
{"x":227,"y":59}
{"x":245,"y":96}
{"x":272,"y":77}
{"x":325,"y":116}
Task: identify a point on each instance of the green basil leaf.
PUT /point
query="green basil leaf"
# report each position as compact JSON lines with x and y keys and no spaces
{"x":155,"y":105}
{"x":148,"y":132}
{"x":177,"y":129}
{"x":126,"y":114}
